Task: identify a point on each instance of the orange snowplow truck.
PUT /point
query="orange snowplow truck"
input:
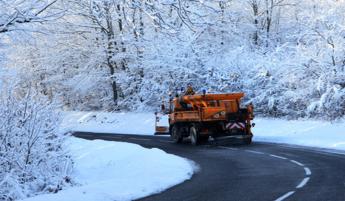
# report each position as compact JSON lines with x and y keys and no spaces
{"x":210,"y":115}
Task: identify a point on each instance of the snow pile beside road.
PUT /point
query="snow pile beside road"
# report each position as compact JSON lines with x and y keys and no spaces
{"x":111,"y":171}
{"x":321,"y":134}
{"x":107,"y":122}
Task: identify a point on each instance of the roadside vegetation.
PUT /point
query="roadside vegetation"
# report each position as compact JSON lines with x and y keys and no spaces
{"x":32,"y":158}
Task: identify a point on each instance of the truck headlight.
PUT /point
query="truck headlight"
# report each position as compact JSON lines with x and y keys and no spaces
{"x":216,"y":116}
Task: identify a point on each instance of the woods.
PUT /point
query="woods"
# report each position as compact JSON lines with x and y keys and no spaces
{"x":286,"y":55}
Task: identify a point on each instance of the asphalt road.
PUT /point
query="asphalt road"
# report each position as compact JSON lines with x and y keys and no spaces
{"x":261,"y":171}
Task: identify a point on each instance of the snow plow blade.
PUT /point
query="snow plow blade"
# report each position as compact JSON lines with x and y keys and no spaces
{"x":162,"y":130}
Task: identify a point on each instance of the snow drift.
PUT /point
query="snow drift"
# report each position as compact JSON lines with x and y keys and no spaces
{"x":321,"y":134}
{"x":110,"y":171}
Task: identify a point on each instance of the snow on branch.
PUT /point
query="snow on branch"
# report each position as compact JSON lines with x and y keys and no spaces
{"x":23,"y":12}
{"x":32,"y":158}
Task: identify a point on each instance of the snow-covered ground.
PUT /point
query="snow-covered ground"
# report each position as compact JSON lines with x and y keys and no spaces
{"x":300,"y":132}
{"x":103,"y":122}
{"x":111,"y":171}
{"x":321,"y":134}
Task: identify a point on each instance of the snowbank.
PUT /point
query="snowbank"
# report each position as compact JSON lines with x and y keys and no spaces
{"x":111,"y":171}
{"x":106,"y":122}
{"x":321,"y":134}
{"x":301,"y":132}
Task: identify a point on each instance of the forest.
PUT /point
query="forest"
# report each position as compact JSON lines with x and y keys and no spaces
{"x":286,"y":55}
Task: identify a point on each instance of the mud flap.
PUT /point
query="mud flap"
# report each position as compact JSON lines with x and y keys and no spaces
{"x":162,"y":130}
{"x":159,"y":128}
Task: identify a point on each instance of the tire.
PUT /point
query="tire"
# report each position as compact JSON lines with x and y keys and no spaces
{"x":175,"y":135}
{"x":203,"y":139}
{"x":243,"y":110}
{"x":194,"y":136}
{"x":247,"y":141}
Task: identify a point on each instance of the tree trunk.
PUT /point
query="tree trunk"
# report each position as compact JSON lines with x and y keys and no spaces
{"x":222,"y":8}
{"x":255,"y":8}
{"x":113,"y":81}
{"x":140,"y":48}
{"x":269,"y":12}
{"x":120,"y":24}
{"x":111,"y":52}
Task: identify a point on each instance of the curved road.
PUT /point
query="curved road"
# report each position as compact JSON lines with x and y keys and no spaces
{"x":261,"y":171}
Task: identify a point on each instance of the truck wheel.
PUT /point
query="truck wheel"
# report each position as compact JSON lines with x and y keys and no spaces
{"x":248,"y":140}
{"x":203,"y":139}
{"x":194,"y":136}
{"x":175,"y":135}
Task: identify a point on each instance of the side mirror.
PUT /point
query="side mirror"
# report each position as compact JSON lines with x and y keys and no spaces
{"x":253,"y":125}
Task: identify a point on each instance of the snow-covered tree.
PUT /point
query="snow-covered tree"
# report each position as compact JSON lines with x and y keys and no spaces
{"x":14,"y":13}
{"x":32,"y":158}
{"x":286,"y":55}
